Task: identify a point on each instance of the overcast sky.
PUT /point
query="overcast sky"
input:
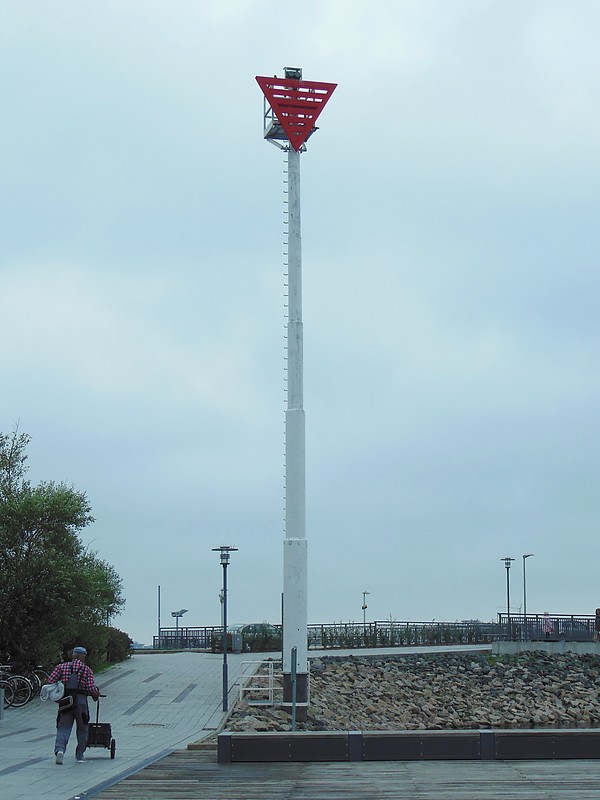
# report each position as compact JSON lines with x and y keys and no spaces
{"x":450,"y":214}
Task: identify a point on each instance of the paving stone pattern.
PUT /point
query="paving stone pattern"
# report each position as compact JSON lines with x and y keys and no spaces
{"x":155,"y":704}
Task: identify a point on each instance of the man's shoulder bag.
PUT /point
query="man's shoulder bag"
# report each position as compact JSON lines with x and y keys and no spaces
{"x":67,"y":703}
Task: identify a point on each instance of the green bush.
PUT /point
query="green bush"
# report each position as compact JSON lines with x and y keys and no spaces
{"x":262,"y":639}
{"x":119,"y":646}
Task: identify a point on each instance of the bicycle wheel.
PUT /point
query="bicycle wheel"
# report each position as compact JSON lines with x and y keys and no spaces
{"x":41,"y":675}
{"x":8,"y":693}
{"x":38,"y":677}
{"x":22,"y":690}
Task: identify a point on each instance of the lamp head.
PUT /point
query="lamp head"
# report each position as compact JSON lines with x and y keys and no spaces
{"x":225,"y":550}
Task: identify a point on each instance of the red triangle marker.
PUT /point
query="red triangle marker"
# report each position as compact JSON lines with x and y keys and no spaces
{"x":296,"y":104}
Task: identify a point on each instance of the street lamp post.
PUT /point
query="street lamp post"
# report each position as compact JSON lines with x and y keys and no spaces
{"x":507,"y":561}
{"x":178,"y":615}
{"x":159,"y":639}
{"x":525,"y":557}
{"x":225,"y":551}
{"x":364,"y":609}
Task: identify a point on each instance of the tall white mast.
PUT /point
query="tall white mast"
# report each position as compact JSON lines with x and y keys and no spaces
{"x":295,"y":550}
{"x":293,"y":107}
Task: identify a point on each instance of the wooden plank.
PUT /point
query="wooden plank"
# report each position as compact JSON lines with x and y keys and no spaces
{"x":195,"y":775}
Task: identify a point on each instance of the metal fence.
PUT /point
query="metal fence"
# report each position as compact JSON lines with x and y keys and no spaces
{"x":546,"y":627}
{"x":186,"y":638}
{"x":347,"y":635}
{"x":399,"y":634}
{"x":386,"y":633}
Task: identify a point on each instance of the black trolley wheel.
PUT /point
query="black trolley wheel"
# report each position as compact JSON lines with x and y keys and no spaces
{"x":113,"y":747}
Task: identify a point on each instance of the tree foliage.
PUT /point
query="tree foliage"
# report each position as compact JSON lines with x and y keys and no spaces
{"x":53,"y":591}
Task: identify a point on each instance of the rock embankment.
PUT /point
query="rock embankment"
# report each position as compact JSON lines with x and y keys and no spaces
{"x":442,"y":691}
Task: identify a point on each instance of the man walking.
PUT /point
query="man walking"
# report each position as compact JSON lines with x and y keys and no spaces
{"x":79,"y":682}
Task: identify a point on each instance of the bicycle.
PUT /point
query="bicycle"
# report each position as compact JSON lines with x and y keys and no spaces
{"x":38,"y":677}
{"x":21,"y":686}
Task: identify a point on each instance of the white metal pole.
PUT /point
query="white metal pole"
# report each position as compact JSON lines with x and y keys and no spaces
{"x":295,"y":544}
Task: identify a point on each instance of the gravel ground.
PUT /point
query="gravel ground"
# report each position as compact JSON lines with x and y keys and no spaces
{"x":442,"y":691}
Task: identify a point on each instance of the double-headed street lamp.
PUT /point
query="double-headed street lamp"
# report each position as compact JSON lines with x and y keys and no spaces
{"x":507,"y":561}
{"x":178,"y":615}
{"x":525,"y":556}
{"x":225,"y":550}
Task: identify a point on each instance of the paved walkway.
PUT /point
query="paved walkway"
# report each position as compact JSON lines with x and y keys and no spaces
{"x":155,"y":704}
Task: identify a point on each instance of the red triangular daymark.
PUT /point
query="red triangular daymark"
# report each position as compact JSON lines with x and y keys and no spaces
{"x":296,"y":104}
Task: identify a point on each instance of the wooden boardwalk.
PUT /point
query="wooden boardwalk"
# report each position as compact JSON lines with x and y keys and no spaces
{"x":195,"y":775}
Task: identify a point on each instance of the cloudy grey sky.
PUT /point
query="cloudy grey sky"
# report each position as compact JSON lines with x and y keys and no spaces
{"x":451,"y":285}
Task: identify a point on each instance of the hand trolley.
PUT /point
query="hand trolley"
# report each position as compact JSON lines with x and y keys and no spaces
{"x":100,"y":733}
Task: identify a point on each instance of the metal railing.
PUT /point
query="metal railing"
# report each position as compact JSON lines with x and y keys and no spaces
{"x":546,"y":627}
{"x":349,"y":635}
{"x":186,"y":638}
{"x":261,"y":682}
{"x":393,"y":633}
{"x":399,"y":634}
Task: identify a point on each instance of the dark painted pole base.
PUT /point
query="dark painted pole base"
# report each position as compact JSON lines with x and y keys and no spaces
{"x":301,"y":695}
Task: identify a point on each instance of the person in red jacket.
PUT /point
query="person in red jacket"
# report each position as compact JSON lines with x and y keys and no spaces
{"x":79,"y":681}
